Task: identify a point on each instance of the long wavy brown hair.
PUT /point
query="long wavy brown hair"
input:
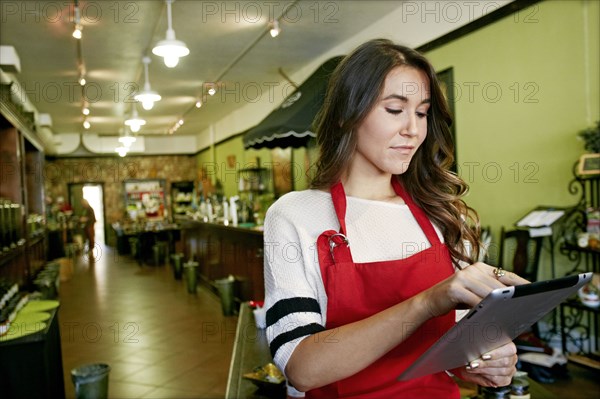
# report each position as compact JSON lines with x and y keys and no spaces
{"x":354,"y":89}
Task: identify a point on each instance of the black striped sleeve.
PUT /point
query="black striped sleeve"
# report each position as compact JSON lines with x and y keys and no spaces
{"x":291,"y":335}
{"x":288,"y":306}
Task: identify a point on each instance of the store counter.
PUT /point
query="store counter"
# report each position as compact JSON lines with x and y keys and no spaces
{"x":222,"y":251}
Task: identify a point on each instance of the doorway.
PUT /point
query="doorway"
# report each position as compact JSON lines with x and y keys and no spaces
{"x":94,"y":194}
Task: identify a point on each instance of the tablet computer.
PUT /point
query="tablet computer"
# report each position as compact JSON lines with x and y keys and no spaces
{"x":498,"y":319}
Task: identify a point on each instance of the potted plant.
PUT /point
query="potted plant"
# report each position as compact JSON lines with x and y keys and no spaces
{"x":591,"y":138}
{"x":589,"y":164}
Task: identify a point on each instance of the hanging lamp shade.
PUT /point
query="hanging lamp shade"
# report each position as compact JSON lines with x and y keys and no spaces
{"x":170,"y":48}
{"x":135,"y":122}
{"x":127,"y":140}
{"x":147,"y":96}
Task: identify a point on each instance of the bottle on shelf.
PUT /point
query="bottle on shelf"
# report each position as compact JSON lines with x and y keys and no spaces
{"x":225,"y":208}
{"x":209,"y":211}
{"x":233,"y":209}
{"x":203,"y":209}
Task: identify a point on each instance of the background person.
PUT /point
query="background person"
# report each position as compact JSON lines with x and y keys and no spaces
{"x":88,"y":219}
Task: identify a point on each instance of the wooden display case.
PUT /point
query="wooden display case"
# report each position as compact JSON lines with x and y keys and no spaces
{"x":22,"y":251}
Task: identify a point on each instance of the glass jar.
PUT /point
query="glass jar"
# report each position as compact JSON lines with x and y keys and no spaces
{"x":519,"y":387}
{"x":496,"y":392}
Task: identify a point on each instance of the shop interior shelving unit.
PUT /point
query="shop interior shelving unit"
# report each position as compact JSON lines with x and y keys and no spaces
{"x":23,"y":248}
{"x":145,"y":198}
{"x":579,"y":323}
{"x":182,"y":197}
{"x":35,"y":357}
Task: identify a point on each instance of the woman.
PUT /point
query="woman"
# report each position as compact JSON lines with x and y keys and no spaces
{"x":362,"y":272}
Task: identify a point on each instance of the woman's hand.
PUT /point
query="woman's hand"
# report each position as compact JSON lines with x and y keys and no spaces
{"x":493,"y":369}
{"x":466,"y":288}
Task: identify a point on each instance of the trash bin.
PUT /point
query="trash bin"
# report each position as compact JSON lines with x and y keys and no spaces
{"x":159,"y":250}
{"x":190,"y":275}
{"x":91,"y":381}
{"x":133,"y":246}
{"x":176,"y":262}
{"x":226,"y":292}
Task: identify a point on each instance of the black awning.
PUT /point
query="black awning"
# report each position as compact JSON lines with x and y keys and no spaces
{"x":290,"y":124}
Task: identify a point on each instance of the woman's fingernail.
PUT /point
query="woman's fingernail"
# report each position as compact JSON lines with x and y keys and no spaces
{"x":486,"y":357}
{"x":474,"y":365}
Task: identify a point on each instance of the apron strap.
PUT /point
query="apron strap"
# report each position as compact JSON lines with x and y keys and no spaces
{"x":338,"y":196}
{"x":336,"y":244}
{"x":417,"y":212}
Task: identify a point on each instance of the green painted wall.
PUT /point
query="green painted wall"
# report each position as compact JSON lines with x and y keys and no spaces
{"x":525,"y":86}
{"x":229,"y":177}
{"x":218,"y":168}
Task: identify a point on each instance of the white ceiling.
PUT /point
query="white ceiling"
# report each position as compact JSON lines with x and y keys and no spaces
{"x":228,"y":41}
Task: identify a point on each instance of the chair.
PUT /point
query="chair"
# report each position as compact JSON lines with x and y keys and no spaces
{"x":525,"y":251}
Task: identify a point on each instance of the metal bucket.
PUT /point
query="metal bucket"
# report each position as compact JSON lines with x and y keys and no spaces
{"x":91,"y":381}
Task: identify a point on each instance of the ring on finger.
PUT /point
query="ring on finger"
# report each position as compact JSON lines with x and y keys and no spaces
{"x":499,"y":272}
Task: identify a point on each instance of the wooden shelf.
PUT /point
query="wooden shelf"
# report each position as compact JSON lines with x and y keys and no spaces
{"x":592,"y":360}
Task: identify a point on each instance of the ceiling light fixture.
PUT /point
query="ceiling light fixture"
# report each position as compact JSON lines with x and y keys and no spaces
{"x":127,"y":140}
{"x":147,"y":97}
{"x":198,"y":103}
{"x":122,"y":151}
{"x":170,"y":49}
{"x":275,"y":30}
{"x":135,"y":122}
{"x":82,"y":80}
{"x":77,"y":31}
{"x":77,"y":21}
{"x":85,"y":111}
{"x":86,"y":124}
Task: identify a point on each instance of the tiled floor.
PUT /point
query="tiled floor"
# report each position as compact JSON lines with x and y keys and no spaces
{"x":162,"y":342}
{"x":159,"y":340}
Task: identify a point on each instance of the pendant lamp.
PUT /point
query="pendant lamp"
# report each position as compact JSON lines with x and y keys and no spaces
{"x":170,"y":49}
{"x":147,"y":96}
{"x":127,"y":140}
{"x":135,"y":122}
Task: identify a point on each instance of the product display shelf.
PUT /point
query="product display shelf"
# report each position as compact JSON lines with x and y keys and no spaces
{"x":145,"y":198}
{"x":579,"y":322}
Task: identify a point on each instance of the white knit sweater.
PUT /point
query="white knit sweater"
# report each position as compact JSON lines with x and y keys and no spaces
{"x":295,"y":299}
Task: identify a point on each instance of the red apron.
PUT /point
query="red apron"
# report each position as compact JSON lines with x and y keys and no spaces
{"x":358,"y":290}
